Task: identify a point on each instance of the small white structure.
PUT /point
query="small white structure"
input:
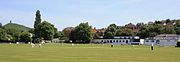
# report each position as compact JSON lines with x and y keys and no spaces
{"x":110,"y":41}
{"x":55,"y":40}
{"x":163,"y":40}
{"x":46,"y":41}
{"x":150,"y":42}
{"x":118,"y":40}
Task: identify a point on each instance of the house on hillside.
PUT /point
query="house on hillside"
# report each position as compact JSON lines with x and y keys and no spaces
{"x":94,"y":30}
{"x":99,"y":32}
{"x":163,"y":40}
{"x":135,"y":29}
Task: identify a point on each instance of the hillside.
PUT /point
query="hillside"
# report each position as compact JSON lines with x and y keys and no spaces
{"x":16,"y":27}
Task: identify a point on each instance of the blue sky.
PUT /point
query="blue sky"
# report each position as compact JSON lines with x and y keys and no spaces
{"x":99,"y":13}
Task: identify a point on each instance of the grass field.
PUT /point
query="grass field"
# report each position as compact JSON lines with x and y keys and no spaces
{"x":87,"y":53}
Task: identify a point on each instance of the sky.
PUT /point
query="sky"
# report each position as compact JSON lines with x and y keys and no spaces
{"x":98,"y":13}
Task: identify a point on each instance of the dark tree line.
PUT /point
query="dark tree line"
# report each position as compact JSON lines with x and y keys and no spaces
{"x":160,"y":27}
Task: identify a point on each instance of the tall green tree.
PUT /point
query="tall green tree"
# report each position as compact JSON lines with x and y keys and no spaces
{"x":82,"y":33}
{"x":36,"y":24}
{"x":110,"y":31}
{"x":47,"y":30}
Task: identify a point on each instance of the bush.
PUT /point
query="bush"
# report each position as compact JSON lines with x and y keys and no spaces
{"x":25,"y":37}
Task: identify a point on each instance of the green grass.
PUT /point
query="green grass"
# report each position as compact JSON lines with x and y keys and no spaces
{"x":87,"y":53}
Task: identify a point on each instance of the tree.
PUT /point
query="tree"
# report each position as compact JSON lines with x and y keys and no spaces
{"x":0,"y":25}
{"x":4,"y":36}
{"x":16,"y":37}
{"x":110,"y":31}
{"x":152,"y":34}
{"x":58,"y":34}
{"x":82,"y":33}
{"x":14,"y":33}
{"x":158,"y":28}
{"x":151,"y":30}
{"x":119,"y":32}
{"x":36,"y":24}
{"x":31,"y":31}
{"x":139,"y":24}
{"x":177,"y":27}
{"x":169,"y":30}
{"x":168,"y":21}
{"x":25,"y":37}
{"x":126,"y":32}
{"x":144,"y":32}
{"x":47,"y":30}
{"x":67,"y":31}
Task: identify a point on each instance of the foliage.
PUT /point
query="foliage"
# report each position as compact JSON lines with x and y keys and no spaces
{"x":158,"y":22}
{"x":37,"y":40}
{"x":159,"y":27}
{"x":25,"y":37}
{"x":119,"y":32}
{"x":150,"y":31}
{"x":140,"y":24}
{"x":31,"y":31}
{"x":46,"y":30}
{"x":12,"y":32}
{"x":126,"y":32}
{"x":177,"y":27}
{"x":110,"y":31}
{"x":0,"y":25}
{"x":67,"y":31}
{"x":4,"y":36}
{"x":36,"y":24}
{"x":82,"y":33}
{"x":169,"y":30}
{"x":58,"y":34}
